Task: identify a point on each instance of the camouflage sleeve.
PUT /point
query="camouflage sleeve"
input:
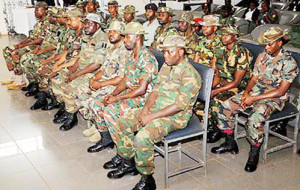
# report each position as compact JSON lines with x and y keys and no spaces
{"x":122,"y":62}
{"x":161,"y":76}
{"x":149,"y":68}
{"x":189,"y":89}
{"x":257,"y":63}
{"x":244,"y":59}
{"x":290,"y":70}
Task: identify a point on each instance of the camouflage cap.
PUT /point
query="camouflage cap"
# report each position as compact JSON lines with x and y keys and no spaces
{"x":171,"y":41}
{"x":116,"y":25}
{"x":93,"y":17}
{"x":166,"y":10}
{"x":271,"y":35}
{"x":186,"y":16}
{"x":80,"y":4}
{"x":210,"y":20}
{"x":134,"y":28}
{"x":73,"y":13}
{"x":41,"y":4}
{"x":113,"y":2}
{"x":129,"y":9}
{"x":229,"y":29}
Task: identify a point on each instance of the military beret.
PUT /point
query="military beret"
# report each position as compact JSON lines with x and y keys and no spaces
{"x":151,"y":6}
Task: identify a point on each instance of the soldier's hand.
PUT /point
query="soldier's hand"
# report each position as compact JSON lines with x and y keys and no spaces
{"x":111,"y":99}
{"x":145,"y":119}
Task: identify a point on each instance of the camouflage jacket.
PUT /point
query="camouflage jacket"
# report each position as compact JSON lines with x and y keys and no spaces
{"x":109,"y":19}
{"x":40,"y":29}
{"x":178,"y":84}
{"x":271,"y":14}
{"x":51,"y":38}
{"x":159,"y":37}
{"x":271,"y":71}
{"x":229,"y":20}
{"x":145,"y":68}
{"x":209,"y":49}
{"x":238,"y":58}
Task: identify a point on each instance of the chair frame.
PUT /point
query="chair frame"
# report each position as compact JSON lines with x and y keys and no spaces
{"x":165,"y":150}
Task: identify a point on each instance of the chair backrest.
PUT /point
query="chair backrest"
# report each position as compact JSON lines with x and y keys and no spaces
{"x":289,"y":17}
{"x":240,"y":11}
{"x":262,"y":28}
{"x":207,"y":75}
{"x":159,"y":57}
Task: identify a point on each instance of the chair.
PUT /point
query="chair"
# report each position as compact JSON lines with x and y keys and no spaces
{"x":159,"y":57}
{"x":194,"y":128}
{"x":290,"y":111}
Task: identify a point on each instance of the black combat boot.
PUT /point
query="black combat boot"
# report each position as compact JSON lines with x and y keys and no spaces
{"x":41,"y":101}
{"x":105,"y":142}
{"x":53,"y":103}
{"x":253,"y":159}
{"x":28,"y":87}
{"x":71,"y":122}
{"x":126,"y":167}
{"x":280,"y":127}
{"x":146,"y":182}
{"x":229,"y":145}
{"x":33,"y":90}
{"x":61,"y":116}
{"x":113,"y":163}
{"x":60,"y":112}
{"x":214,"y":134}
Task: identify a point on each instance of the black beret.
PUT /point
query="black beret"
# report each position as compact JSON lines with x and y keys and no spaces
{"x":151,"y":6}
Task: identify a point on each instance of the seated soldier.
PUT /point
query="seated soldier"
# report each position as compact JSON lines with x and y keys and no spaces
{"x":266,"y":92}
{"x":164,"y":17}
{"x":129,"y":13}
{"x":113,"y":7}
{"x":151,"y":24}
{"x":226,"y":15}
{"x":140,"y":75}
{"x":267,"y":14}
{"x":12,"y":54}
{"x":231,"y":76}
{"x":168,"y":108}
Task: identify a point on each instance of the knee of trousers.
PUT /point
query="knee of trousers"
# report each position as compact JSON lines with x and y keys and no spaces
{"x":255,"y":120}
{"x":142,"y":140}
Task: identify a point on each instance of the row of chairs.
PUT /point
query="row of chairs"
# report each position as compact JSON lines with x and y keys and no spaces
{"x":197,"y":129}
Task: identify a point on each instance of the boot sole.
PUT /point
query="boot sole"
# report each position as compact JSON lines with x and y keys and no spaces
{"x":134,"y":173}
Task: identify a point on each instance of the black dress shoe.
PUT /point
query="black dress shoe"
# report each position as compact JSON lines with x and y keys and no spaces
{"x":71,"y":122}
{"x":64,"y":117}
{"x":214,"y":136}
{"x":113,"y":163}
{"x":105,"y":142}
{"x":253,"y":159}
{"x":28,"y":87}
{"x":229,"y":145}
{"x":126,"y":167}
{"x":146,"y":182}
{"x":60,"y":112}
{"x":280,"y":127}
{"x":33,"y":90}
{"x":41,"y":101}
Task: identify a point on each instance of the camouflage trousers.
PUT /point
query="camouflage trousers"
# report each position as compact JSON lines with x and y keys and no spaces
{"x":214,"y":106}
{"x":141,"y":146}
{"x":106,"y":116}
{"x":260,"y":111}
{"x":85,"y":97}
{"x":7,"y":54}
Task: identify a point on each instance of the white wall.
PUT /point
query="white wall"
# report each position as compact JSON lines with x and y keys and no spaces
{"x":2,"y":21}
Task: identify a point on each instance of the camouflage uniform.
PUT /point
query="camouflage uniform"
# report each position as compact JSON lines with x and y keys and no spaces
{"x":271,"y":14}
{"x":146,"y":69}
{"x":177,"y":84}
{"x":271,"y":72}
{"x":113,"y":66}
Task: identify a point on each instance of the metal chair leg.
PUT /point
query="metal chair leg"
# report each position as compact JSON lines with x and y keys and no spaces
{"x":179,"y":152}
{"x":166,"y":164}
{"x":88,"y":124}
{"x":296,"y":128}
{"x":236,"y":127}
{"x":204,"y":149}
{"x":266,"y":141}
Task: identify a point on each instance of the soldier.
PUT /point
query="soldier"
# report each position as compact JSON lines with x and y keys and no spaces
{"x":129,"y":13}
{"x":75,"y":93}
{"x":267,"y":14}
{"x":165,"y":15}
{"x":140,"y":75}
{"x":30,"y":62}
{"x":12,"y":54}
{"x":168,"y":108}
{"x":151,"y":25}
{"x":226,"y":15}
{"x":67,"y":52}
{"x":113,"y":7}
{"x":209,"y":49}
{"x":231,"y":76}
{"x":266,"y":92}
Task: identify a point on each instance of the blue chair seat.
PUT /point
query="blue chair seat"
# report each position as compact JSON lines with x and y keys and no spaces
{"x":289,"y":109}
{"x":194,"y":126}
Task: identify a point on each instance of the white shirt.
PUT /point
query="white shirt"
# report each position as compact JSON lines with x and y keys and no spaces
{"x":150,"y":31}
{"x":249,"y":14}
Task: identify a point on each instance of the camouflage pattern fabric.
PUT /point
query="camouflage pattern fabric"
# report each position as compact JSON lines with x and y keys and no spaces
{"x":271,"y":14}
{"x":229,"y":20}
{"x":144,"y":68}
{"x":271,"y":72}
{"x":108,"y":21}
{"x":159,"y":37}
{"x":177,"y":84}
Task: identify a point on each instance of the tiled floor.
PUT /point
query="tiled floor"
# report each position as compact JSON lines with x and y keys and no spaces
{"x":35,"y":155}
